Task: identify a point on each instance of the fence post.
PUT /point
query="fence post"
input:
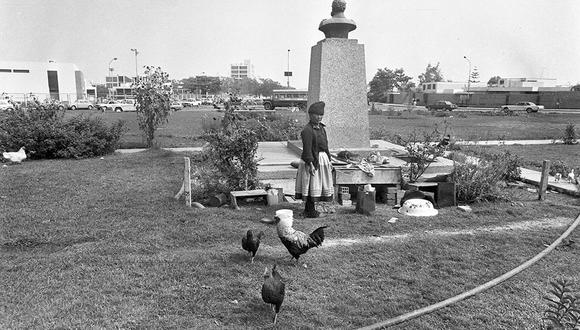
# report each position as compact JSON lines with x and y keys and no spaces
{"x":187,"y":181}
{"x":544,"y":180}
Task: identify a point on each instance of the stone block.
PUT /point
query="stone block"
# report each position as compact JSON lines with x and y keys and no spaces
{"x":446,"y":195}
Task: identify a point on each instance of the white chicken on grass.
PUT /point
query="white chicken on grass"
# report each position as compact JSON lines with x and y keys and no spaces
{"x":15,"y":157}
{"x":572,"y":176}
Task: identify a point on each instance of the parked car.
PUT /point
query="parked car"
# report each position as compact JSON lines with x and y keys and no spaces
{"x":442,"y":105}
{"x":175,"y":106}
{"x":521,"y":106}
{"x":206,"y":101}
{"x":62,"y":105}
{"x":6,"y":105}
{"x":191,"y":103}
{"x":82,"y":104}
{"x":118,"y":106}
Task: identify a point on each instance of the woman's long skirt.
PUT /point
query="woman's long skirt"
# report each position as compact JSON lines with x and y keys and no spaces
{"x":318,"y":186}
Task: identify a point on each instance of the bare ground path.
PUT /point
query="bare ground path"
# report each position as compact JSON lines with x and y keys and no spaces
{"x":521,"y":226}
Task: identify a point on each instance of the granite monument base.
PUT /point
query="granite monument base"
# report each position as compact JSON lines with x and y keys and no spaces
{"x":338,"y":77}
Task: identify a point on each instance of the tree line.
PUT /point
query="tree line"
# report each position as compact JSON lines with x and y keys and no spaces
{"x":206,"y":85}
{"x":388,"y":80}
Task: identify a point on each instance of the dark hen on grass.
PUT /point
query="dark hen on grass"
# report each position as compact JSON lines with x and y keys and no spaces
{"x":251,"y":243}
{"x":273,"y":290}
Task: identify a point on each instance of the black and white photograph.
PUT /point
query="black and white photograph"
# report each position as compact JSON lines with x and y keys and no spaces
{"x":276,"y":164}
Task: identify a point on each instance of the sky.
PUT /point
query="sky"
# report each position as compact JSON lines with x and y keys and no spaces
{"x":509,"y":38}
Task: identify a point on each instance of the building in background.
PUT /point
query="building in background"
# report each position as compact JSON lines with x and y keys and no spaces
{"x":120,"y":87}
{"x":118,"y":81}
{"x":242,"y":70}
{"x":450,"y":87}
{"x":58,"y":81}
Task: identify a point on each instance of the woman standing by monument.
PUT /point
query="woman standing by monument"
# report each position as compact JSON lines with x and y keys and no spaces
{"x":314,"y":176}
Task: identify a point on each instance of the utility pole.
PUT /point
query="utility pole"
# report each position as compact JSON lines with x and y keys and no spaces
{"x":288,"y":73}
{"x":109,"y":75}
{"x":469,"y":74}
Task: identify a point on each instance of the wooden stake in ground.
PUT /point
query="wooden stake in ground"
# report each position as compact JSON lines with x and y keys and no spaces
{"x":544,"y":180}
{"x":186,"y":185}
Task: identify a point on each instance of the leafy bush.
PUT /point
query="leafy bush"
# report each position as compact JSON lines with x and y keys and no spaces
{"x":42,"y":129}
{"x":563,"y":310}
{"x":476,"y":182}
{"x":559,"y":167}
{"x":272,"y":126}
{"x":206,"y":179}
{"x":507,"y":164}
{"x":233,"y":151}
{"x":570,"y":134}
{"x":480,"y":179}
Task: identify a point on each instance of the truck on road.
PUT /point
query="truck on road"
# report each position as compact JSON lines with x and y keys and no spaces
{"x":287,"y":98}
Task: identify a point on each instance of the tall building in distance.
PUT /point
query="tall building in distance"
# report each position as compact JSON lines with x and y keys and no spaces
{"x":242,"y":70}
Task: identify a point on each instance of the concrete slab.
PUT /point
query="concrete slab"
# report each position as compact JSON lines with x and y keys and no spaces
{"x":274,"y":167}
{"x":277,"y":157}
{"x":275,"y":153}
{"x":534,"y":177}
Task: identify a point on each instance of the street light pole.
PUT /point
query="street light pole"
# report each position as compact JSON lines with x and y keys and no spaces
{"x":288,"y":69}
{"x":469,"y":74}
{"x":136,"y":52}
{"x":109,"y":74}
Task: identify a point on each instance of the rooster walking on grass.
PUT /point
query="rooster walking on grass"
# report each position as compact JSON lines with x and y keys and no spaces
{"x":294,"y":240}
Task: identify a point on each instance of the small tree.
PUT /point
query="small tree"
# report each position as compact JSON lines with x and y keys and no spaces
{"x":387,"y":80}
{"x":422,"y":152}
{"x":432,"y":74}
{"x":570,"y":134}
{"x":493,"y":81}
{"x":153,"y":101}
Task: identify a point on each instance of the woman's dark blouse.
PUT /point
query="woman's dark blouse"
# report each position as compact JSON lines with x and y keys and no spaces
{"x":314,"y":140}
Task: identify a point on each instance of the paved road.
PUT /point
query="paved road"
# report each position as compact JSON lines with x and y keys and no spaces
{"x":384,"y":106}
{"x":558,"y":111}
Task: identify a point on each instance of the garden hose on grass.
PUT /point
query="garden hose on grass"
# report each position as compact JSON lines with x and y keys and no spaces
{"x":474,"y":291}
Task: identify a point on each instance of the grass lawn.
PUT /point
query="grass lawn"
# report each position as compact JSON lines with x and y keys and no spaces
{"x":184,"y":127}
{"x":476,"y":126}
{"x":102,"y":244}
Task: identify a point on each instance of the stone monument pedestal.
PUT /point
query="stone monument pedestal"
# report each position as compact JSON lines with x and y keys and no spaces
{"x":338,"y":77}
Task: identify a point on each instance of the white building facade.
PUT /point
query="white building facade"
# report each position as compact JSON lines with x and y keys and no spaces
{"x":242,"y":70}
{"x":59,"y":81}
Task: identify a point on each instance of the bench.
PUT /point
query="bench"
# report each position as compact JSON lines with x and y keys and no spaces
{"x":444,"y":193}
{"x":245,"y":194}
